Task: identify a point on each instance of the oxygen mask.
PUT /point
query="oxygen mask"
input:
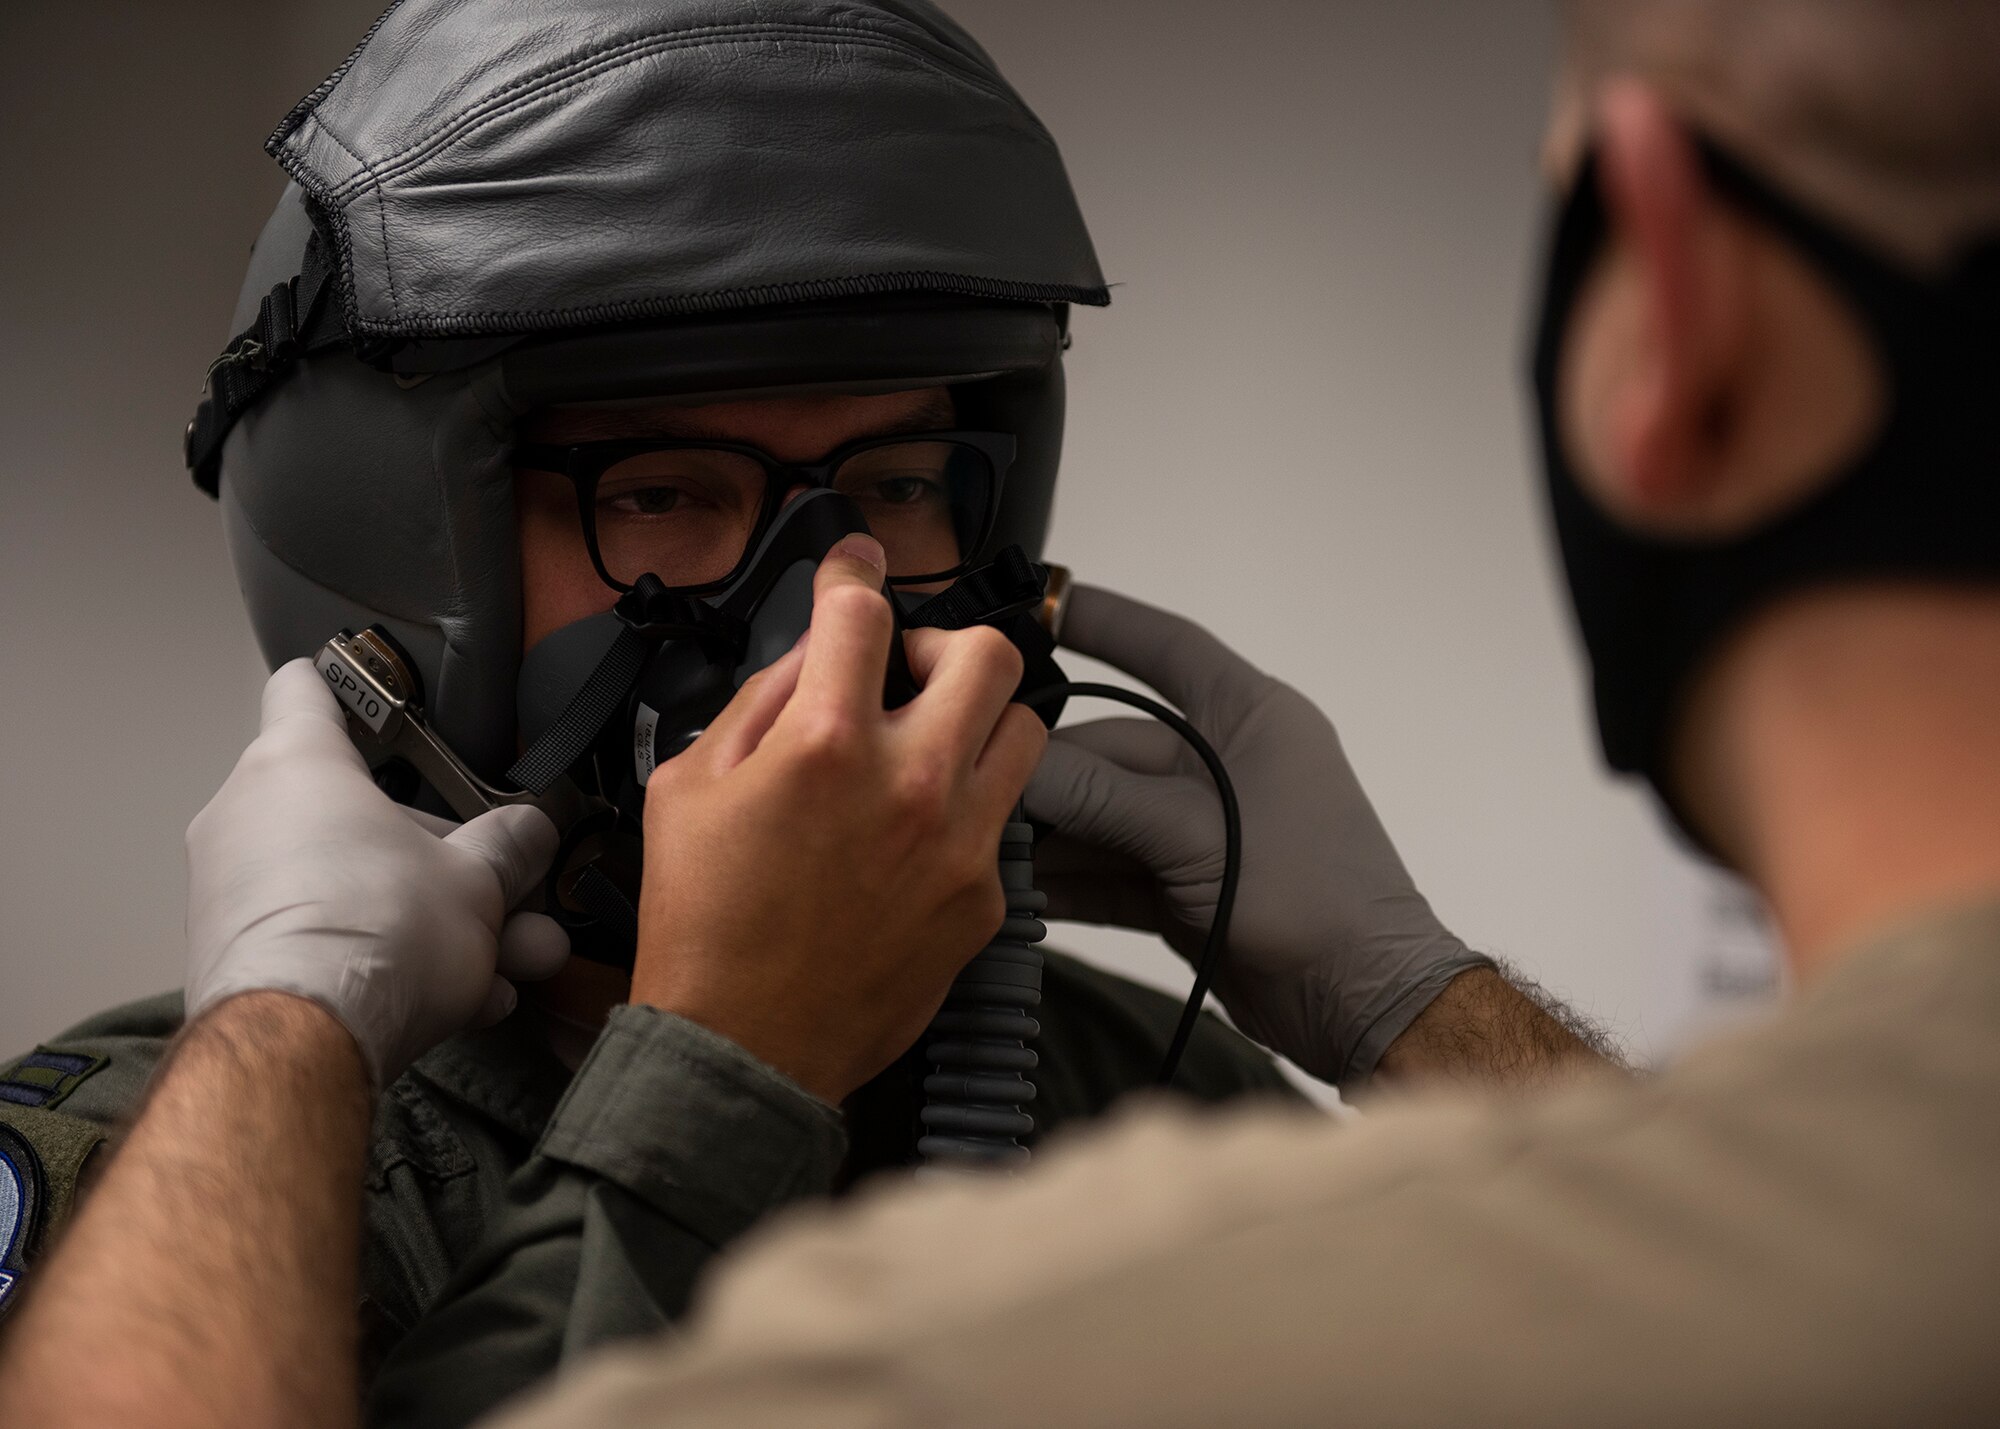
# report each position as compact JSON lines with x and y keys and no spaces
{"x":602,"y":702}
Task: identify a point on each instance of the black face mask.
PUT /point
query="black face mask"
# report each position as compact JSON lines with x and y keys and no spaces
{"x":1921,"y":500}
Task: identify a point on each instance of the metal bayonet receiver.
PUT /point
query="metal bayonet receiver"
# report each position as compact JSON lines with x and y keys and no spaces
{"x":384,"y":707}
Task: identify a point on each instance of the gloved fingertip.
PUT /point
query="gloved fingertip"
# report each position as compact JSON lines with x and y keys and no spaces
{"x":293,"y":685}
{"x":516,"y":841}
{"x":537,"y":833}
{"x":296,"y":691}
{"x":524,"y":822}
{"x":533,"y":948}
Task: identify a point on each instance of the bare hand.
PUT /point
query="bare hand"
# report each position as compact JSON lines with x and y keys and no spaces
{"x":818,"y":869}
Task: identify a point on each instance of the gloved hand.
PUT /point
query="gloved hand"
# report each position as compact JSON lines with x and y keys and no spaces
{"x":1332,"y":952}
{"x":303,"y":877}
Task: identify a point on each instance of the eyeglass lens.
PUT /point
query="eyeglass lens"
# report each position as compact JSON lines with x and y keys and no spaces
{"x":688,"y":515}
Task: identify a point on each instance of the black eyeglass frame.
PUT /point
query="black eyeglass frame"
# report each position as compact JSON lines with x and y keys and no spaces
{"x":584,"y":464}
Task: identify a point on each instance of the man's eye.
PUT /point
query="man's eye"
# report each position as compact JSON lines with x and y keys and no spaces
{"x":903,"y":490}
{"x":643,"y":500}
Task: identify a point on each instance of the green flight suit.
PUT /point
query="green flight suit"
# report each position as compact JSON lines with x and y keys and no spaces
{"x":515,"y":1216}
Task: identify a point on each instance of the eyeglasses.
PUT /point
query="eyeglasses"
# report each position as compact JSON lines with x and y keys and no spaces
{"x":690,"y":512}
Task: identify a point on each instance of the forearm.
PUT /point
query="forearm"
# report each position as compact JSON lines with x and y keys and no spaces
{"x":1483,"y":1030}
{"x":211,"y":1279}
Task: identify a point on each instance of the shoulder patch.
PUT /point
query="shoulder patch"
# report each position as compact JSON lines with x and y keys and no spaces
{"x":23,"y":1192}
{"x":43,"y":1078}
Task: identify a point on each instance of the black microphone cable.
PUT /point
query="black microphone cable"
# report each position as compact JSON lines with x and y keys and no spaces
{"x":1232,"y":844}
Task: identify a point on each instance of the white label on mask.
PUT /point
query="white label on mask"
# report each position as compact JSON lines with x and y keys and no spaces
{"x":644,"y":757}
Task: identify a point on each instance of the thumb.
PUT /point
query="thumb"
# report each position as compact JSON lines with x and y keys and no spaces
{"x":1167,"y":823}
{"x":516,"y":841}
{"x":857,"y":559}
{"x":300,"y":712}
{"x":533,"y":948}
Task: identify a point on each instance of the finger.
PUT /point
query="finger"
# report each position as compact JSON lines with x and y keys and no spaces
{"x":533,"y":948}
{"x":299,"y":710}
{"x":848,"y":654}
{"x":1010,"y":756}
{"x":967,"y":678}
{"x":747,"y":718}
{"x":501,"y":999}
{"x":516,"y":841}
{"x":1170,"y":825}
{"x":1144,"y":746}
{"x":1058,"y":855}
{"x":1108,"y":902}
{"x":1213,"y":685}
{"x":430,"y":823}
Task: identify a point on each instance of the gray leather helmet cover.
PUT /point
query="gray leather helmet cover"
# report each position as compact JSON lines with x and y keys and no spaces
{"x":535,"y":203}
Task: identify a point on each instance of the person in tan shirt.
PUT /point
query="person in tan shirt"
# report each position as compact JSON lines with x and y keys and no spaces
{"x":1768,"y":382}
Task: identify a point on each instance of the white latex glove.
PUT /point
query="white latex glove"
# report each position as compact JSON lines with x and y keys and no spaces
{"x":1332,"y":952}
{"x":303,"y":877}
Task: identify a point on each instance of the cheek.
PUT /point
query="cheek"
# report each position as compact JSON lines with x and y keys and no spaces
{"x":558,"y":583}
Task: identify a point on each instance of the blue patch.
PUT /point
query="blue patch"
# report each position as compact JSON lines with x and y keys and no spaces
{"x":21,"y":1193}
{"x":43,"y":1078}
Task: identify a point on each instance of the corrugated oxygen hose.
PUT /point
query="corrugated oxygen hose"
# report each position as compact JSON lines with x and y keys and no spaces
{"x":979,"y":1044}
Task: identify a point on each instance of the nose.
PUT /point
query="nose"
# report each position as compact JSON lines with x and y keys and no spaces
{"x":794,"y":492}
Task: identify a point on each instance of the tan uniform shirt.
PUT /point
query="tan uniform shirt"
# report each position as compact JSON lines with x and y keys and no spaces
{"x":1798,"y":1225}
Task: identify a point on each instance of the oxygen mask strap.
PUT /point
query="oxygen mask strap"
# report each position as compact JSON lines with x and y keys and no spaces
{"x":1009,"y":593}
{"x":650,"y":613}
{"x":564,"y":742}
{"x":608,"y":906}
{"x":1008,"y":585}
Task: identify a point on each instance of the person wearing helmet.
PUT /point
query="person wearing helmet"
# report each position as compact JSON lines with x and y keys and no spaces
{"x":567,"y":315}
{"x":565,"y":324}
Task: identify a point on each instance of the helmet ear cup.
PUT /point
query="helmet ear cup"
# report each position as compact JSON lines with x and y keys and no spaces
{"x":351,"y":498}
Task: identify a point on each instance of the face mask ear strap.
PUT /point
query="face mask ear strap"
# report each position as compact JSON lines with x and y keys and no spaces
{"x":1918,"y":322}
{"x":1906,"y":314}
{"x":1572,"y":246}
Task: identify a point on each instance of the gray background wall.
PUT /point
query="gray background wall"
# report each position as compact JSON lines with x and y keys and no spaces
{"x":1301,"y":421}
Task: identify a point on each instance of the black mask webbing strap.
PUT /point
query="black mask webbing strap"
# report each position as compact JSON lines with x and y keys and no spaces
{"x":606,"y":903}
{"x":563,"y":742}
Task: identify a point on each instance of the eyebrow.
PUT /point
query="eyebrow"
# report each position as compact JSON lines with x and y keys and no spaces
{"x":938,"y":412}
